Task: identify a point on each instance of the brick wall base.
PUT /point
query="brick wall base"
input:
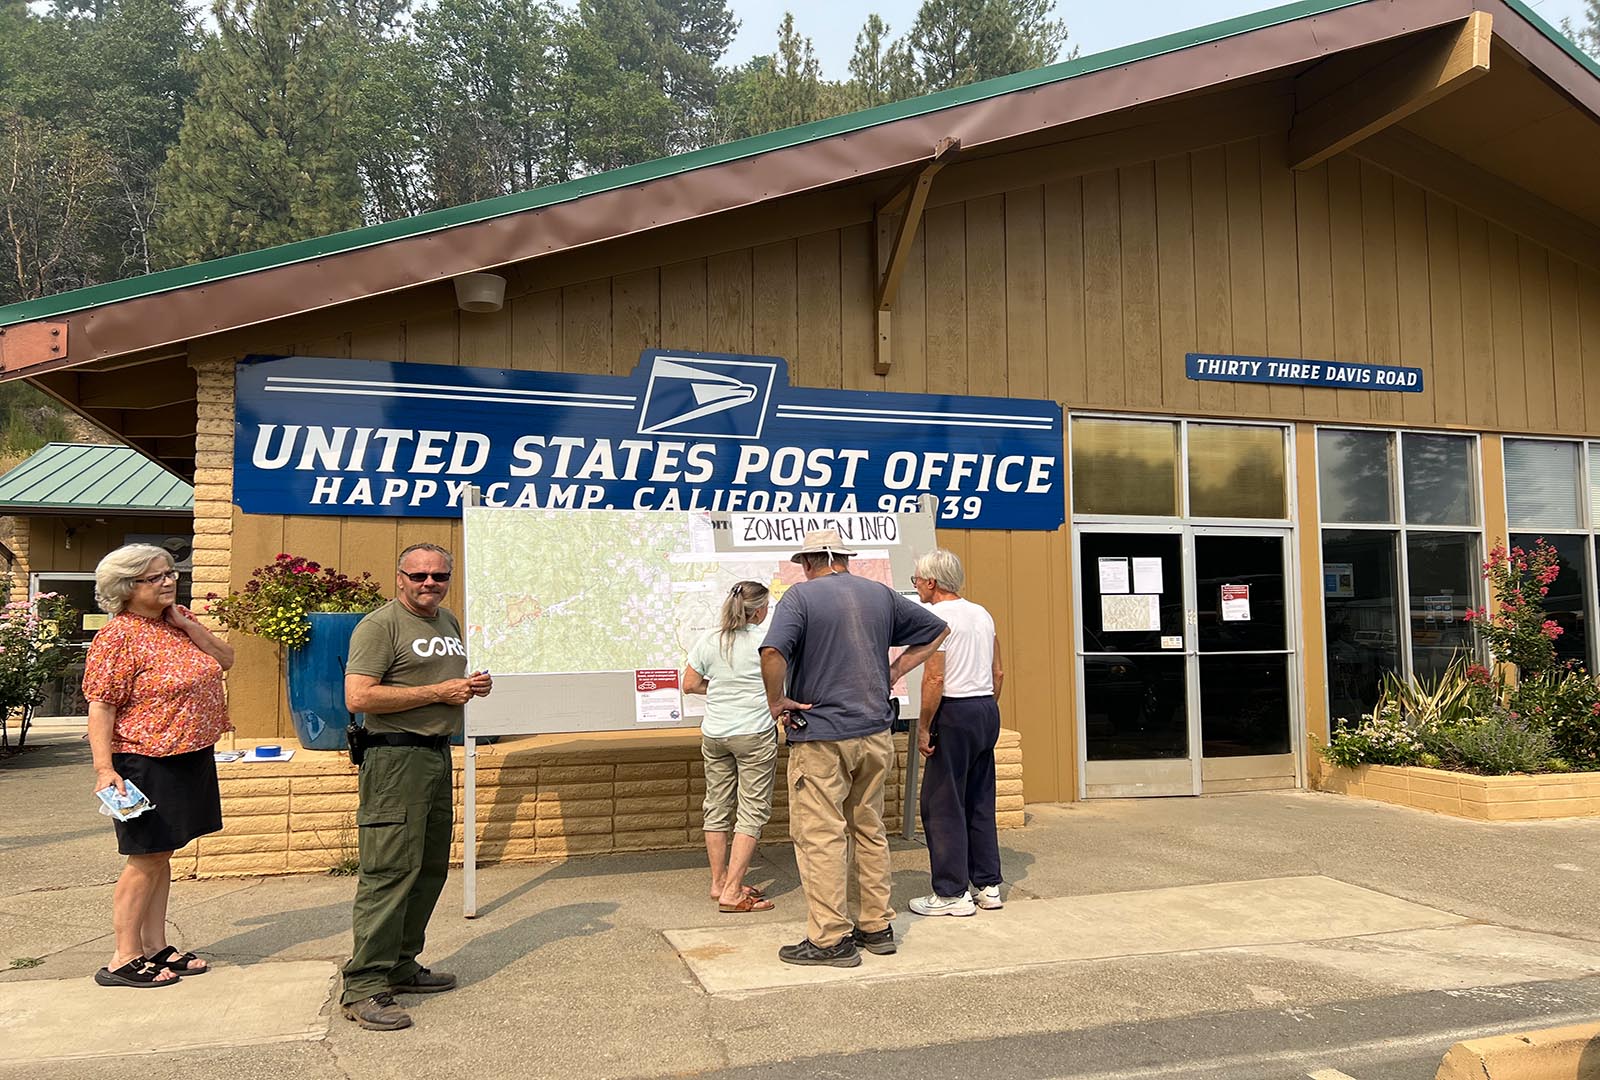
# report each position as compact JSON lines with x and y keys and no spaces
{"x":539,"y":797}
{"x":1481,"y":798}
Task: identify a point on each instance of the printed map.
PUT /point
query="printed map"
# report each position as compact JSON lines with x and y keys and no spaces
{"x":556,"y":591}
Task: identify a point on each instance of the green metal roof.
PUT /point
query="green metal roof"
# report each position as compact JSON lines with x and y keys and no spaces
{"x":470,"y":213}
{"x":81,"y":477}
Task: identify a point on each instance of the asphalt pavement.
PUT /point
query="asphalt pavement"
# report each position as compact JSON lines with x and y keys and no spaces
{"x":1113,"y":959}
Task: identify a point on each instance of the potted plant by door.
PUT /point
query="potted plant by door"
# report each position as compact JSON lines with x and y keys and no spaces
{"x":310,"y":610}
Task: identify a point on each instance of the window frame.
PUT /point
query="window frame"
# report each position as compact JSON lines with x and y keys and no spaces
{"x":1400,"y":529}
{"x":1587,"y":528}
{"x":1290,"y":493}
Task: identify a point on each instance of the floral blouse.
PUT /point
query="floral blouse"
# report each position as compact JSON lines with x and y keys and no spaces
{"x":166,"y":690}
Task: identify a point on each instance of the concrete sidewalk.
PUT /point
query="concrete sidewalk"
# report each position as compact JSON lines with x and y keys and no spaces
{"x":570,"y":968}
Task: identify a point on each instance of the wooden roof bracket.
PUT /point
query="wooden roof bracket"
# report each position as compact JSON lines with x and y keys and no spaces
{"x":897,"y":222}
{"x":1444,"y":61}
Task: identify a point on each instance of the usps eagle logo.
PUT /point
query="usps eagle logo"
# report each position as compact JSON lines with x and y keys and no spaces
{"x":708,"y":397}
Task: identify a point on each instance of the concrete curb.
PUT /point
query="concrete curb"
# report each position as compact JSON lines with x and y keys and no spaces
{"x":1564,"y":1053}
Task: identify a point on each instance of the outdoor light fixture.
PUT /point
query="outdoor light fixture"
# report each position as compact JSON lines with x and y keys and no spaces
{"x":480,"y":292}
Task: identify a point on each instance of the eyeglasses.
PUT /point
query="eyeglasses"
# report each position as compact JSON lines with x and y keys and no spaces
{"x":418,"y":579}
{"x":157,"y":579}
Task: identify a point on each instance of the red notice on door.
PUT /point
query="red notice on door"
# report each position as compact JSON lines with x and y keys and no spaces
{"x":1236,"y":603}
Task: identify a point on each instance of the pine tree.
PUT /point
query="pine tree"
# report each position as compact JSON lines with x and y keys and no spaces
{"x":264,"y":156}
{"x":1586,"y":36}
{"x":632,"y":47}
{"x":136,"y":63}
{"x":881,"y":70}
{"x":490,"y":128}
{"x":956,"y":42}
{"x":780,"y":90}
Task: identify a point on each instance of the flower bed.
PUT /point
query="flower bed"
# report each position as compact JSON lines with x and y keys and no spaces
{"x":1531,"y":715}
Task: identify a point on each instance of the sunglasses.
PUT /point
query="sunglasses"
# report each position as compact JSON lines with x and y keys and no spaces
{"x":418,"y":579}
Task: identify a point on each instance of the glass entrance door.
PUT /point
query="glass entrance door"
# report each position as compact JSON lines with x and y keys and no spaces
{"x":1186,"y":660}
{"x":1244,"y":632}
{"x":1134,"y":681}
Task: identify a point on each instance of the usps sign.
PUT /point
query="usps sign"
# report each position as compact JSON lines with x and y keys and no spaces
{"x":684,"y":431}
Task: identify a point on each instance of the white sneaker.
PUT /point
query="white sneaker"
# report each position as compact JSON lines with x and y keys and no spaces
{"x":988,"y":897}
{"x":934,"y":904}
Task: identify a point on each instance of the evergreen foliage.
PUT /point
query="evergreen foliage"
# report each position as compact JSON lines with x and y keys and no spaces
{"x":264,"y":156}
{"x":135,"y":135}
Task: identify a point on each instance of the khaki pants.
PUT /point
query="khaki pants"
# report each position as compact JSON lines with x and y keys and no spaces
{"x":739,"y":774}
{"x":836,"y":799}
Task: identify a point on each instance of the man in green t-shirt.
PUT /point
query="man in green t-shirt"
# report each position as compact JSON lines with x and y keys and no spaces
{"x":408,"y":672}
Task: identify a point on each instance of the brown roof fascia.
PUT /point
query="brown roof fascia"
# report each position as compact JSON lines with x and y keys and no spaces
{"x":1544,"y":56}
{"x":279,"y":292}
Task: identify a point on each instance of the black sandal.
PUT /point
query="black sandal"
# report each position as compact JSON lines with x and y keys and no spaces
{"x":176,"y":962}
{"x":137,"y":972}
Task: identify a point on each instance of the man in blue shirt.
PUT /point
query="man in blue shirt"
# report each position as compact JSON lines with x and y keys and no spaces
{"x":830,"y":638}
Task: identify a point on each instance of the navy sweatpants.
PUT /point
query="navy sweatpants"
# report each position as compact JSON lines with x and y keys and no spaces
{"x":958,"y":796}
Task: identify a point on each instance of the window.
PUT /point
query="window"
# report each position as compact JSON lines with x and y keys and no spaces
{"x":1125,"y":467}
{"x":1179,"y":468}
{"x":1401,"y":548}
{"x":1553,"y":493}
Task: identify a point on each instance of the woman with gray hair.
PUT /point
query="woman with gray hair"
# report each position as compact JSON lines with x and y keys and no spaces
{"x":956,"y":734}
{"x":738,"y":741}
{"x":153,"y":680}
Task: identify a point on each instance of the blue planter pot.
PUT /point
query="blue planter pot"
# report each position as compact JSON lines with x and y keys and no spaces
{"x":316,"y":681}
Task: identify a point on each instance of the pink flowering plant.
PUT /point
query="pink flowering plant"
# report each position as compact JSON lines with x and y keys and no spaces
{"x":1545,"y":719}
{"x":1519,"y":631}
{"x":277,"y":601}
{"x":32,"y":653}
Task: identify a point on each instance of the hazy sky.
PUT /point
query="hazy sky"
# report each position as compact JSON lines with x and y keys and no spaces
{"x":1094,"y":27}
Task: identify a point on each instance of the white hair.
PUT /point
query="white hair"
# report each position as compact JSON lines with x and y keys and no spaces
{"x":943,"y":569}
{"x":113,"y":578}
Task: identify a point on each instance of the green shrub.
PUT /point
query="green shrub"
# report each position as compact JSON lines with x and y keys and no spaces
{"x":1496,"y":743}
{"x":1566,"y":704}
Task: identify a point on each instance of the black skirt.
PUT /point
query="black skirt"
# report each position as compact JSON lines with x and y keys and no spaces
{"x":182,"y":790}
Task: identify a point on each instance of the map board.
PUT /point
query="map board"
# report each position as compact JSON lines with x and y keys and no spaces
{"x":565,"y":607}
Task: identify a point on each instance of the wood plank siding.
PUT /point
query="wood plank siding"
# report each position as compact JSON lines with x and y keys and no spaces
{"x":1083,"y":277}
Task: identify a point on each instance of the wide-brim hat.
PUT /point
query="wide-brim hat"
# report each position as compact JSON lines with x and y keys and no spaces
{"x":822,"y":542}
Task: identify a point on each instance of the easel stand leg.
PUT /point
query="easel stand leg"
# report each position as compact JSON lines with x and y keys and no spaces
{"x":469,"y":855}
{"x":908,"y":793}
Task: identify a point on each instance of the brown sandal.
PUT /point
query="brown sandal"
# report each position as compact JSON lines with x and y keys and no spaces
{"x":751,"y":901}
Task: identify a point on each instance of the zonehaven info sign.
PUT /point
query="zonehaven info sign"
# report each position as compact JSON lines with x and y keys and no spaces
{"x":1210,"y":367}
{"x":684,"y":431}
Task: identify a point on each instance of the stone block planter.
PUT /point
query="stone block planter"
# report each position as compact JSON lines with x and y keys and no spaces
{"x":539,"y":797}
{"x":1481,"y":798}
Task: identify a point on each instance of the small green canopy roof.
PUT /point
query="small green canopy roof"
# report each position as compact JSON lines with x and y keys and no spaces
{"x":80,"y":478}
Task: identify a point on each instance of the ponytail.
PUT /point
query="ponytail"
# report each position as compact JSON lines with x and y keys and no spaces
{"x":739,"y":609}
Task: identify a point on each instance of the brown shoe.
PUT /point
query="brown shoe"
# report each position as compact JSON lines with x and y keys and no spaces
{"x":425,"y":982}
{"x":377,"y":1013}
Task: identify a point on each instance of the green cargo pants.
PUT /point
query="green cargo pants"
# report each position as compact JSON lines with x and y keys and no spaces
{"x":404,"y":825}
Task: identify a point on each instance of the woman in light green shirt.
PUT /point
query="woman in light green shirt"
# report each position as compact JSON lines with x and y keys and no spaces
{"x":739,"y":742}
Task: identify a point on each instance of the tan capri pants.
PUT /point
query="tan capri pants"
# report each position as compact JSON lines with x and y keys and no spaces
{"x":739,"y":772}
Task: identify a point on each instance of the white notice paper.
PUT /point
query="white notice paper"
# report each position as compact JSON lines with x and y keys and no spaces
{"x":1236,"y":603}
{"x":1147,"y":575}
{"x":656,"y":697}
{"x":1113,"y":576}
{"x":702,"y":540}
{"x":1130,"y":614}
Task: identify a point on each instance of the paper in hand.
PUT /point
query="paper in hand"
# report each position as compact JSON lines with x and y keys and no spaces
{"x":123,"y":807}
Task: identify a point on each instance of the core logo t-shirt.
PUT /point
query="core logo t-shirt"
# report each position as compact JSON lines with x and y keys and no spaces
{"x":400,"y":648}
